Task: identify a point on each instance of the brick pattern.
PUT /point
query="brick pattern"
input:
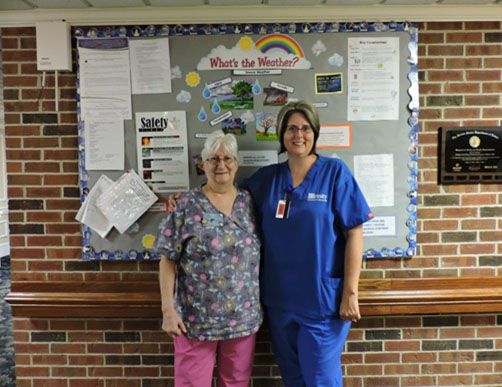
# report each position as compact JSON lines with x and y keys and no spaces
{"x":460,"y":79}
{"x":459,"y":234}
{"x":108,"y":352}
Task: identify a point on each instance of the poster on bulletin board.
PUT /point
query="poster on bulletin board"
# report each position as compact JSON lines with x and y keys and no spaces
{"x":149,"y":96}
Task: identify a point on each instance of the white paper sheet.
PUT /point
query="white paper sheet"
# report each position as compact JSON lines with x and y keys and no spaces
{"x":380,"y":226}
{"x":89,"y":214}
{"x":375,"y":176}
{"x":150,"y":66}
{"x":163,"y":150}
{"x":126,"y":200}
{"x":257,"y":158}
{"x":104,"y":141}
{"x":335,"y":136}
{"x":373,"y":79}
{"x":105,"y":80}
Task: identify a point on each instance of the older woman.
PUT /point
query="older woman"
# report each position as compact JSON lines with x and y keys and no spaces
{"x":210,"y":253}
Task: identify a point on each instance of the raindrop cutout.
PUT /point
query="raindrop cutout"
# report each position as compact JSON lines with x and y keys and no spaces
{"x":202,"y":114}
{"x":257,"y":88}
{"x":216,"y":107}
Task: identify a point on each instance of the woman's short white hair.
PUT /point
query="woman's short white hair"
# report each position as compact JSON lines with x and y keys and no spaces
{"x":217,"y":138}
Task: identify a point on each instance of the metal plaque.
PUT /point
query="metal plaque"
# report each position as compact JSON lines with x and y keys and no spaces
{"x":470,"y":155}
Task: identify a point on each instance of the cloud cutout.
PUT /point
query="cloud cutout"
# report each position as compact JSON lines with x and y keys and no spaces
{"x":176,"y":72}
{"x":318,"y":48}
{"x":335,"y":60}
{"x":184,"y":96}
{"x":247,"y":116}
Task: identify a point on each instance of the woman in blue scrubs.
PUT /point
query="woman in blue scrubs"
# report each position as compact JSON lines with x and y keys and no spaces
{"x":311,"y":211}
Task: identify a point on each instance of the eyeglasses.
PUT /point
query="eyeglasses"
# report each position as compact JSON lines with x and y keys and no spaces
{"x":215,"y":160}
{"x":295,"y":129}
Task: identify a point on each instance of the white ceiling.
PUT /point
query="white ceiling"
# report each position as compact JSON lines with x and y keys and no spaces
{"x":96,"y":12}
{"x":73,"y":4}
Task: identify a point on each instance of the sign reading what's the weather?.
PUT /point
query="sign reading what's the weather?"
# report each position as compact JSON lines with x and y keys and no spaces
{"x":275,"y":51}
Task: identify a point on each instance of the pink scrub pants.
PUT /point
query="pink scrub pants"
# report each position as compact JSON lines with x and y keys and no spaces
{"x":194,"y":361}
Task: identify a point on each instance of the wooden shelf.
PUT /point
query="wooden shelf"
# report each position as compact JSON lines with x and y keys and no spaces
{"x":430,"y":295}
{"x":85,"y":299}
{"x":377,"y":297}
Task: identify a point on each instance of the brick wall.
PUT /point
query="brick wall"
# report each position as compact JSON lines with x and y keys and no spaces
{"x":460,"y":234}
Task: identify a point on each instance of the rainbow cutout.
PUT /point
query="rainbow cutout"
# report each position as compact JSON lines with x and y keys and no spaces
{"x":279,"y":41}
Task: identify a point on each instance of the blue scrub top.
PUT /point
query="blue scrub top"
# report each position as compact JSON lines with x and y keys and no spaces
{"x":303,"y":260}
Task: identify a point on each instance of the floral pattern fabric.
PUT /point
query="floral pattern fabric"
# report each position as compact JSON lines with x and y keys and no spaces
{"x":218,"y":260}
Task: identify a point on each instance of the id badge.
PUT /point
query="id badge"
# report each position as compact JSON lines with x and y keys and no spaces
{"x":282,"y":209}
{"x":212,"y":220}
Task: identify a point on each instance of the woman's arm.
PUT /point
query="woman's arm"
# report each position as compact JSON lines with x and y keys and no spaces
{"x":349,"y":307}
{"x":171,"y":320}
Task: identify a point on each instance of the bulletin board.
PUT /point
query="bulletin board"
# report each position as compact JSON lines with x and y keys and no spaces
{"x":362,"y":77}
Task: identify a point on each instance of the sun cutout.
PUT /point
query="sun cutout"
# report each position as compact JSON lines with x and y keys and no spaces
{"x":245,"y":43}
{"x":192,"y":79}
{"x":148,"y":241}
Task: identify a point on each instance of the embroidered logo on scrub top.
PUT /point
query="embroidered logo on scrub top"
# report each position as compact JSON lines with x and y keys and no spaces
{"x":317,"y":197}
{"x":212,"y":220}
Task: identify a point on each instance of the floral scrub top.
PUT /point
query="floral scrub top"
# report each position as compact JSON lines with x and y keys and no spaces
{"x":218,"y":260}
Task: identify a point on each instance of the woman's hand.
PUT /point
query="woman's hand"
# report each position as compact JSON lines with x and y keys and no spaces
{"x":349,"y":308}
{"x":172,"y":201}
{"x":172,"y":324}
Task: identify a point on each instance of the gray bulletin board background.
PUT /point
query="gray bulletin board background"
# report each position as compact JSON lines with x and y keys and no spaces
{"x":189,"y":44}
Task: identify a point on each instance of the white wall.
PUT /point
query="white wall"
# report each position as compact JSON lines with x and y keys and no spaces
{"x":4,"y":210}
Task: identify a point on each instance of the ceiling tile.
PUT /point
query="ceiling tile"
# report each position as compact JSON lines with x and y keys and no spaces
{"x":59,"y":3}
{"x":294,"y":2}
{"x":11,"y":5}
{"x":234,"y":2}
{"x":115,"y":3}
{"x":166,"y":3}
{"x":468,"y":1}
{"x":410,"y":2}
{"x":352,"y":2}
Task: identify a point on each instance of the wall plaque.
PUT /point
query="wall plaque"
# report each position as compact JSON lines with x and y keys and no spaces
{"x":470,"y":155}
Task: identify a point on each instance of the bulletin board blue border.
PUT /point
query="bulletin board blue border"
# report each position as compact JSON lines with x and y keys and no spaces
{"x":89,"y":253}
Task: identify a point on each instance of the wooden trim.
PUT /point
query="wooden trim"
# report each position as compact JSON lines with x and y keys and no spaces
{"x":377,"y":297}
{"x":430,"y":295}
{"x":85,"y":299}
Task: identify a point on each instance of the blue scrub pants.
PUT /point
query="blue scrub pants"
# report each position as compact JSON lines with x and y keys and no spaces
{"x":308,"y":351}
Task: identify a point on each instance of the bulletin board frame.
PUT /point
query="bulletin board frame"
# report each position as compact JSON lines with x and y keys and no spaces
{"x":92,"y":246}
